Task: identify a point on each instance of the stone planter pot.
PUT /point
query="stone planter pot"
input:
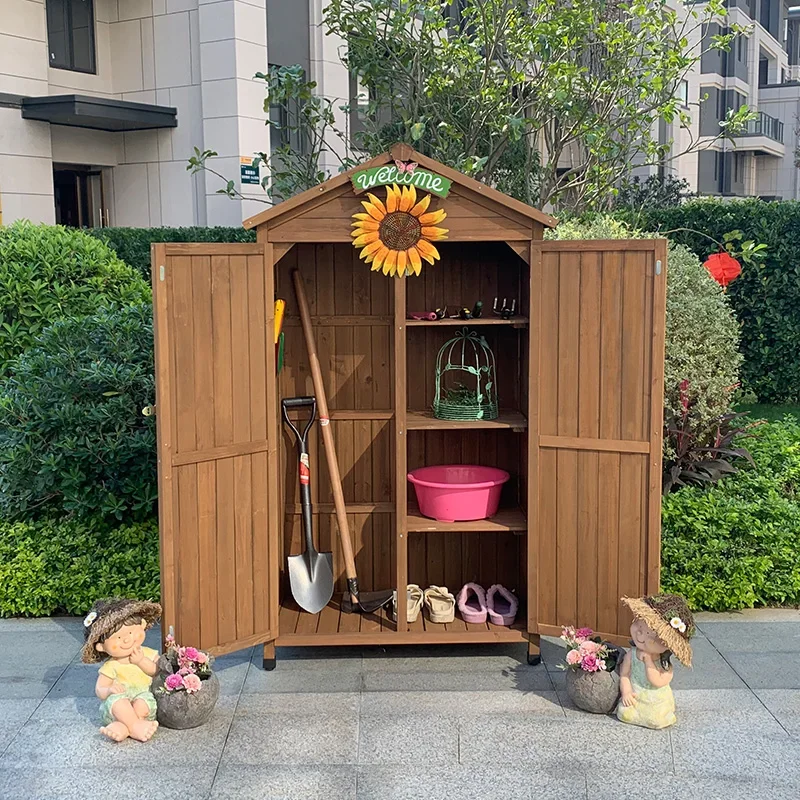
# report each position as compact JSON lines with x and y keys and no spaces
{"x":181,"y":710}
{"x":595,"y":692}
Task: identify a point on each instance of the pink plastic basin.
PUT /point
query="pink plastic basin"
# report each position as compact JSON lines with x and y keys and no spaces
{"x":458,"y":491}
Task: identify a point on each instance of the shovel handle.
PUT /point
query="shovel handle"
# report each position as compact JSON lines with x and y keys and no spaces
{"x":300,"y":402}
{"x":303,"y":465}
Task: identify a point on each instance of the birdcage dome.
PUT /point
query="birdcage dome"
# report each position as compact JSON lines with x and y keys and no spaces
{"x":465,"y":379}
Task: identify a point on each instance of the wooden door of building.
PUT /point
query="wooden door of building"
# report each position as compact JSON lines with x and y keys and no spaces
{"x":597,"y":352}
{"x":217,"y":442}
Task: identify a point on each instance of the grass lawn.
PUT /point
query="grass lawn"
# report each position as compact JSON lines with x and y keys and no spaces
{"x":770,"y":412}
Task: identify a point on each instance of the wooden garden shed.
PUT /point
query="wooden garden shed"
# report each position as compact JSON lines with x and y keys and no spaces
{"x":580,"y":386}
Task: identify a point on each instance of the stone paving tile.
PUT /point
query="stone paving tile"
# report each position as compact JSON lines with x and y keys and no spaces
{"x":610,"y":785}
{"x":769,"y":670}
{"x":301,"y":704}
{"x":524,"y":679}
{"x":236,"y":782}
{"x":37,"y":654}
{"x":549,"y":744}
{"x":300,"y":680}
{"x":754,"y":637}
{"x":433,"y":782}
{"x":284,"y":739}
{"x":14,"y":687}
{"x":72,"y":739}
{"x":514,"y":651}
{"x":408,"y":739}
{"x":784,"y":704}
{"x":74,"y":782}
{"x":709,"y":670}
{"x":15,"y":713}
{"x":463,"y":704}
{"x":701,"y":710}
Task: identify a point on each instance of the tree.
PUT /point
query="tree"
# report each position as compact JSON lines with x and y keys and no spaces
{"x":549,"y":101}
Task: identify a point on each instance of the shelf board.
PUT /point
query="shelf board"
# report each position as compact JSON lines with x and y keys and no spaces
{"x":425,"y":421}
{"x":506,"y":519}
{"x":514,"y":322}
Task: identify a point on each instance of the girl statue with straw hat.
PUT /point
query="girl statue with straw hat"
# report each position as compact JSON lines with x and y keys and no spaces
{"x":114,"y":632}
{"x":662,"y":625}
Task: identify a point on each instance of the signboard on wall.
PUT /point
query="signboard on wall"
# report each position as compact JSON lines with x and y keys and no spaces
{"x":402,"y":174}
{"x":248,"y":171}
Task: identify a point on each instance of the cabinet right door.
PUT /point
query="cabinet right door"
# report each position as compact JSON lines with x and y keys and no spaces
{"x":596,"y":421}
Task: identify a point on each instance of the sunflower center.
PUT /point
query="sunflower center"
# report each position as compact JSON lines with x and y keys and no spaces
{"x":400,"y":230}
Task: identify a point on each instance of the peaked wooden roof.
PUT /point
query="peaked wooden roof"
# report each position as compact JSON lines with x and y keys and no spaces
{"x":402,"y":152}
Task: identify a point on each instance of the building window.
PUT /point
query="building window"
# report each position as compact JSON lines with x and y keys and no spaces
{"x":682,"y":93}
{"x":70,"y":34}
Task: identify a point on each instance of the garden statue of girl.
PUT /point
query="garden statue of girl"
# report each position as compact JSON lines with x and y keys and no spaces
{"x":114,"y":632}
{"x":662,"y":625}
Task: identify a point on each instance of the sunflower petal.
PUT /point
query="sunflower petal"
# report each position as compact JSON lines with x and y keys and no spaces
{"x":366,"y":238}
{"x":392,"y":198}
{"x":433,"y":217}
{"x":435,"y":233}
{"x":367,"y":224}
{"x":427,"y":251}
{"x":408,"y":198}
{"x":372,"y":247}
{"x":420,"y":208}
{"x":361,"y":231}
{"x":414,"y":259}
{"x":361,"y":216}
{"x":390,"y":262}
{"x":402,"y":260}
{"x":377,"y":262}
{"x":377,"y":203}
{"x":374,"y":212}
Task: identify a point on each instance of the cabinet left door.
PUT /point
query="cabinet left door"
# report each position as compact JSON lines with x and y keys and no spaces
{"x":217,"y":443}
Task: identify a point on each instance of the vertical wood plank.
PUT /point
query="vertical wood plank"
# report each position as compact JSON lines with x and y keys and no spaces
{"x":548,"y":533}
{"x":188,"y":554}
{"x":400,"y":455}
{"x":548,"y":338}
{"x":532,"y":501}
{"x":634,"y":317}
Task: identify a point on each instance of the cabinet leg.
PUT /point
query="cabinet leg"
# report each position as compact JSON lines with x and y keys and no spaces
{"x":534,"y":651}
{"x":269,"y":656}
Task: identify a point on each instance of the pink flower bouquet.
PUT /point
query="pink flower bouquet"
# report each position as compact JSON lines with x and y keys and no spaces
{"x":185,"y":668}
{"x":588,"y":652}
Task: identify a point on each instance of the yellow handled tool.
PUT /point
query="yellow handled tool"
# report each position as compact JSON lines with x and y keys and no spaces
{"x":280,"y":309}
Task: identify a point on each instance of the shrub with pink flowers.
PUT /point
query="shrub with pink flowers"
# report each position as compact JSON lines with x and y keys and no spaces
{"x":185,"y":667}
{"x":588,"y":652}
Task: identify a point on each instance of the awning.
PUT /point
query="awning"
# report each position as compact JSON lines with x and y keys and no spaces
{"x":99,"y":113}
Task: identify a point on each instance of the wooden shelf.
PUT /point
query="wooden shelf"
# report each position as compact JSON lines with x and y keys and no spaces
{"x":332,"y":627}
{"x":425,"y":421}
{"x":506,"y":519}
{"x":514,"y":322}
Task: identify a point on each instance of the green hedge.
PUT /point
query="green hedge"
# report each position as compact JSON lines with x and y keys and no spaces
{"x":737,"y":543}
{"x":766,"y":298}
{"x":133,"y":244}
{"x":49,"y":566}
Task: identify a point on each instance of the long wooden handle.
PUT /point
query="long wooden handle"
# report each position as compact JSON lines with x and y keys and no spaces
{"x":327,"y":436}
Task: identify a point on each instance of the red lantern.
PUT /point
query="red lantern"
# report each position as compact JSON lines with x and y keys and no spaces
{"x":723,"y":268}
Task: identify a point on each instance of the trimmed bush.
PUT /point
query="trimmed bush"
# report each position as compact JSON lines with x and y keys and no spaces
{"x":702,"y":334}
{"x":63,"y":566}
{"x":72,"y":435}
{"x":737,"y":544}
{"x":766,"y":298}
{"x":132,"y":245}
{"x":48,"y":272}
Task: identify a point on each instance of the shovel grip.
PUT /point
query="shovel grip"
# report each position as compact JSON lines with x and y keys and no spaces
{"x":300,"y":402}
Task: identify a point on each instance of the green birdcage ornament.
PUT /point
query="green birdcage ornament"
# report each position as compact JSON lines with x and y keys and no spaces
{"x":465,"y":379}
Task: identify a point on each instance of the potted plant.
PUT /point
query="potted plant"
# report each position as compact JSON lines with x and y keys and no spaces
{"x":591,"y":664}
{"x":185,"y":687}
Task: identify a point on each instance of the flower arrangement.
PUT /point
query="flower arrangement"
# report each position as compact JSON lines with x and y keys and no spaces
{"x":186,"y":668}
{"x":588,"y":652}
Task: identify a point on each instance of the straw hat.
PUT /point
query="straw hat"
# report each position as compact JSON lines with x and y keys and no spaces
{"x":669,"y":616}
{"x":107,"y":616}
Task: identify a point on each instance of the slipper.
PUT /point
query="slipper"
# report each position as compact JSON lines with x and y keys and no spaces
{"x":501,"y":605}
{"x":413,"y":603}
{"x":440,"y":603}
{"x":472,"y":603}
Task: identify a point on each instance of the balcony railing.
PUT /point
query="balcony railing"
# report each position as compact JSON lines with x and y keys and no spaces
{"x":765,"y":125}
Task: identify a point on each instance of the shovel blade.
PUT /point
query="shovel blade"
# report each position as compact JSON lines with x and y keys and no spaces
{"x":311,"y":580}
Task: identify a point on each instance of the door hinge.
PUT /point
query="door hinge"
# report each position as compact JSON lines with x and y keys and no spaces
{"x":161,"y":272}
{"x":658,"y":267}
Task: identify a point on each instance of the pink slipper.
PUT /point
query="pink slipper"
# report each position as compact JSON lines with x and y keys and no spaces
{"x":501,"y":605}
{"x":472,"y":603}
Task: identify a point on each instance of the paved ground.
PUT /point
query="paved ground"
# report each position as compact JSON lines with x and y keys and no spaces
{"x":427,"y":724}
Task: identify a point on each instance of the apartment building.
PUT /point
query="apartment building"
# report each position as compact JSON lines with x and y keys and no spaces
{"x":103,"y":101}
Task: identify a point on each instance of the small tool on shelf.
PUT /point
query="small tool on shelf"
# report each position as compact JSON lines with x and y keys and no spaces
{"x":505,"y":311}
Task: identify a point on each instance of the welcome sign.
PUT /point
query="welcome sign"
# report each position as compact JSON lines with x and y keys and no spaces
{"x":408,"y":174}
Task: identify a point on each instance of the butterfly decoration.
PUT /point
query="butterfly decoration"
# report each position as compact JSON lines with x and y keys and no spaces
{"x":406,"y":166}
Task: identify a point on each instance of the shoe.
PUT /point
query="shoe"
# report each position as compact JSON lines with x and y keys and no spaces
{"x":413,"y":603}
{"x":472,"y":603}
{"x":502,"y":605}
{"x":440,"y":603}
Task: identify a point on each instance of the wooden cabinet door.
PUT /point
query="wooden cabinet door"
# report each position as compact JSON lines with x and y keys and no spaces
{"x":217,"y":443}
{"x":598,"y":323}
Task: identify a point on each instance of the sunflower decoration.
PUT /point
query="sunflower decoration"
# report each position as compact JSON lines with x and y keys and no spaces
{"x":396,"y":236}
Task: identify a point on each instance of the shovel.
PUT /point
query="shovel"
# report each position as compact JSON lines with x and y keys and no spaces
{"x":311,"y":572}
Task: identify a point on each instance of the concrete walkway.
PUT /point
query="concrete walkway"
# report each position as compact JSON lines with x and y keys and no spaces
{"x":425,"y":723}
